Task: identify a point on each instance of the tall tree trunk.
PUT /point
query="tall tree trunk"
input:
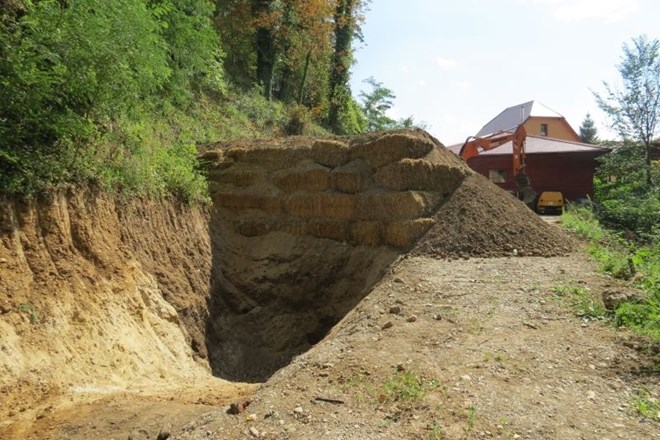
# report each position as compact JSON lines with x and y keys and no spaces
{"x":649,"y":165}
{"x":266,"y":51}
{"x":341,"y":61}
{"x":301,"y":90}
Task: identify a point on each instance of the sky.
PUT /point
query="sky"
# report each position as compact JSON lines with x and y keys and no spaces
{"x":455,"y":65}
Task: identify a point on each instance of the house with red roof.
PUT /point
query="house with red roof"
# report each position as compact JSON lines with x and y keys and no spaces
{"x":556,"y":160}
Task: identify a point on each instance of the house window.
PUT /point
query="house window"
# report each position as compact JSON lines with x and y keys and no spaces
{"x":497,"y":176}
{"x":544,"y":129}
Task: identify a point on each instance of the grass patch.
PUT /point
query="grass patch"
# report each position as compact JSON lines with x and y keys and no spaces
{"x":582,"y":300}
{"x":30,"y":310}
{"x":436,"y":431}
{"x":622,"y":259}
{"x":407,"y":386}
{"x":646,"y":405}
{"x":471,"y":414}
{"x":403,"y":387}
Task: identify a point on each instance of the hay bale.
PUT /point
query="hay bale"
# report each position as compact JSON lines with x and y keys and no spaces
{"x":330,"y":152}
{"x":307,"y":177}
{"x":392,"y":147}
{"x":351,"y":178}
{"x":262,"y":197}
{"x":404,"y":234}
{"x":420,"y":174}
{"x":271,"y":156}
{"x":254,"y":223}
{"x":240,"y":174}
{"x":319,"y":228}
{"x":330,"y":229}
{"x":320,"y":205}
{"x":386,"y":206}
{"x":367,"y":233}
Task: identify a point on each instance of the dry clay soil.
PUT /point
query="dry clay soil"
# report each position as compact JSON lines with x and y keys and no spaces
{"x":462,"y":349}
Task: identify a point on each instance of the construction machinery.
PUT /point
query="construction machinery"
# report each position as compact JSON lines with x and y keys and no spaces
{"x":474,"y":146}
{"x":550,"y":201}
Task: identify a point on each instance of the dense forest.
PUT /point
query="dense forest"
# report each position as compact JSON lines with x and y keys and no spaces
{"x":120,"y":93}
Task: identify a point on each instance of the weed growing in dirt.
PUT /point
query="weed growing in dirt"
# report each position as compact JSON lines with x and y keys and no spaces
{"x":408,"y":386}
{"x":30,"y":310}
{"x":646,"y":405}
{"x":582,"y":301}
{"x":360,"y":386}
{"x":402,"y":387}
{"x":471,"y":417}
{"x":437,"y":432}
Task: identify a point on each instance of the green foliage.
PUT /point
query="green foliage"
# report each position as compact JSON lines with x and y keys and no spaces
{"x":375,"y":105}
{"x":583,"y":222}
{"x":471,"y":417}
{"x":588,"y":131}
{"x":84,"y":85}
{"x":407,"y":386}
{"x":193,"y":46}
{"x":622,"y":259}
{"x":30,"y":310}
{"x":620,"y":188}
{"x":635,"y":108}
{"x":645,"y":404}
{"x":436,"y":431}
{"x":584,"y":303}
{"x":351,"y":117}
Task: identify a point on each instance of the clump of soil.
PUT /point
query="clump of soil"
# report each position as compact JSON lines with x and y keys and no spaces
{"x":481,"y":220}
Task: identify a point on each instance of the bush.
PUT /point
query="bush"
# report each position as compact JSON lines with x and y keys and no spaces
{"x":624,"y":259}
{"x":87,"y":88}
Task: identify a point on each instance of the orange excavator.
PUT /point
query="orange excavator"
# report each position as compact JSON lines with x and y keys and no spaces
{"x":474,"y":146}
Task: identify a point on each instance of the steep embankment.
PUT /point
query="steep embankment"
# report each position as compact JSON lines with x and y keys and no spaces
{"x":96,"y":293}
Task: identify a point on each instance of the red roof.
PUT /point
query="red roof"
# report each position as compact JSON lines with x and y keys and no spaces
{"x":540,"y":145}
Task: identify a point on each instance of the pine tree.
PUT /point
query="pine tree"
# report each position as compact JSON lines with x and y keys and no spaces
{"x":588,"y":132}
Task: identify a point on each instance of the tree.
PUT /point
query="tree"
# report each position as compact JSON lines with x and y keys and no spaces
{"x":588,"y":131}
{"x":265,"y":44}
{"x":346,"y":20}
{"x":375,"y":105}
{"x":634,"y":108}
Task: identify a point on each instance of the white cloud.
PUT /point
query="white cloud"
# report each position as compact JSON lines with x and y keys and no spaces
{"x":446,"y":63}
{"x":421,"y":83}
{"x":463,"y":84}
{"x":405,"y":69}
{"x":609,"y":11}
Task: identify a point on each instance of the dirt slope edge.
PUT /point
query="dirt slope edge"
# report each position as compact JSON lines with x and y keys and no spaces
{"x":97,"y":294}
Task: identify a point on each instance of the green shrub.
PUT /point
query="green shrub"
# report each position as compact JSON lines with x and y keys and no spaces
{"x":583,"y":222}
{"x":623,"y":259}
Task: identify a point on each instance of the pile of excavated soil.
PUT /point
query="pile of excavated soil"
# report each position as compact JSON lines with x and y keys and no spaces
{"x":481,"y":220}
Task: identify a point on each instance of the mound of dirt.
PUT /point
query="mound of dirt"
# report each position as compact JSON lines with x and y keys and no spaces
{"x":481,"y":220}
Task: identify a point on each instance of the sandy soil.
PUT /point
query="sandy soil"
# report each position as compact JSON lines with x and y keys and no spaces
{"x":478,"y":348}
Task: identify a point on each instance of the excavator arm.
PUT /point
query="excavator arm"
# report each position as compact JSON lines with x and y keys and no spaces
{"x":474,"y":146}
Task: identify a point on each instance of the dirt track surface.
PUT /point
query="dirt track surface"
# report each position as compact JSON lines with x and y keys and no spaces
{"x":498,"y":355}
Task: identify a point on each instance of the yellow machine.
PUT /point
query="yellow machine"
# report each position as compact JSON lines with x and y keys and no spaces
{"x":550,"y":201}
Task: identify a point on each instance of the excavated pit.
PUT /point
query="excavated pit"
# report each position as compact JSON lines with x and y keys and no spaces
{"x":276,"y":296}
{"x":301,"y":231}
{"x":98,"y":291}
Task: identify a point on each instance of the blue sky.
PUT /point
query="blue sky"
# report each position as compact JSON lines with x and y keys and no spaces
{"x":456,"y":64}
